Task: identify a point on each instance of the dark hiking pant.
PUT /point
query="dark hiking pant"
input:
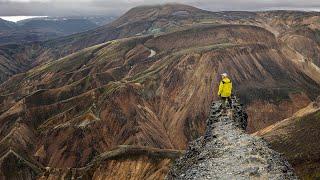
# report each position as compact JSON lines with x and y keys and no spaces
{"x":226,"y":101}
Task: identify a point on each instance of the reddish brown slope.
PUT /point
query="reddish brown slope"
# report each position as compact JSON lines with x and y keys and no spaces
{"x":123,"y":162}
{"x":149,"y":20}
{"x":137,"y":21}
{"x":297,"y":137}
{"x":92,"y":101}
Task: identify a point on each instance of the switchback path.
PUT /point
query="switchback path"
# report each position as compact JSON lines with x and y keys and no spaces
{"x":227,"y":152}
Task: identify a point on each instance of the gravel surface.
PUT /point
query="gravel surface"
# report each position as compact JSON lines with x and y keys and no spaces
{"x":227,"y":152}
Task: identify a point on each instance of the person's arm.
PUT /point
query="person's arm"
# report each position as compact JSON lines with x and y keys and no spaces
{"x":220,"y":88}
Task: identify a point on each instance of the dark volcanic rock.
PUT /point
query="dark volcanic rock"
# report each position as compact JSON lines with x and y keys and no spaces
{"x":227,"y":152}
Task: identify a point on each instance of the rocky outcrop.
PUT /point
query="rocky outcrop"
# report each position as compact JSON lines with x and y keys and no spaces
{"x":227,"y":152}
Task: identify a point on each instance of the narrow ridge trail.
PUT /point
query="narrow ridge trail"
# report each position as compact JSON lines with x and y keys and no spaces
{"x":227,"y":152}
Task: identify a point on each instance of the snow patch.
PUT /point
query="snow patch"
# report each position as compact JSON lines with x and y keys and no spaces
{"x":84,"y":123}
{"x":152,"y":53}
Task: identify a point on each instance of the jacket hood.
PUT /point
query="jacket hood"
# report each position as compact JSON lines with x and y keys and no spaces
{"x":226,"y":80}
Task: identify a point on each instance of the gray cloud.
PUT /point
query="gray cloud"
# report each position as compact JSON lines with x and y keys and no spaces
{"x":111,"y":7}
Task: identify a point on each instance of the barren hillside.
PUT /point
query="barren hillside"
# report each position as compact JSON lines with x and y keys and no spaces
{"x":66,"y":103}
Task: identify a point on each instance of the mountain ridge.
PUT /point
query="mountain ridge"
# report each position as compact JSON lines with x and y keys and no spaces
{"x":43,"y":29}
{"x":152,"y":89}
{"x":226,"y":152}
{"x":114,"y":30}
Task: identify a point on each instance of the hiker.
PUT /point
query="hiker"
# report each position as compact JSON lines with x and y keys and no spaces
{"x":225,"y":89}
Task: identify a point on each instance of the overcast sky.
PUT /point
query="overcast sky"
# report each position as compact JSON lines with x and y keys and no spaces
{"x":117,"y":7}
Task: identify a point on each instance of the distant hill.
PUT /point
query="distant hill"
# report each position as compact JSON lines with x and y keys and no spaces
{"x":98,"y":20}
{"x":6,"y":25}
{"x":41,"y":29}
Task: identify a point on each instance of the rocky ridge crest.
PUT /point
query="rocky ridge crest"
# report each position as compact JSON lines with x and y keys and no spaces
{"x":227,"y":152}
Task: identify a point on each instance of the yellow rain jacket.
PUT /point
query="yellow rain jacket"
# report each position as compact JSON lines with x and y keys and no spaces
{"x":225,"y":87}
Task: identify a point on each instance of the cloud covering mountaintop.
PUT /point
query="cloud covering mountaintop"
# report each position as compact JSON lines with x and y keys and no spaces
{"x":111,"y":7}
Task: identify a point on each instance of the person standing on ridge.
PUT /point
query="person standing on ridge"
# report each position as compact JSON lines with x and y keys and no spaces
{"x":225,"y":89}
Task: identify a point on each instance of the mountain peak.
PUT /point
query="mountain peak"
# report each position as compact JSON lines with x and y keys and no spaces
{"x":172,"y":6}
{"x":152,"y":12}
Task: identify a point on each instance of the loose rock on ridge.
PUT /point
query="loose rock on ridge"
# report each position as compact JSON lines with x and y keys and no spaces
{"x":227,"y":152}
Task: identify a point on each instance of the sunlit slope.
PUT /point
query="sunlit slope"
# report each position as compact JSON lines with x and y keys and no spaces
{"x":297,"y":138}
